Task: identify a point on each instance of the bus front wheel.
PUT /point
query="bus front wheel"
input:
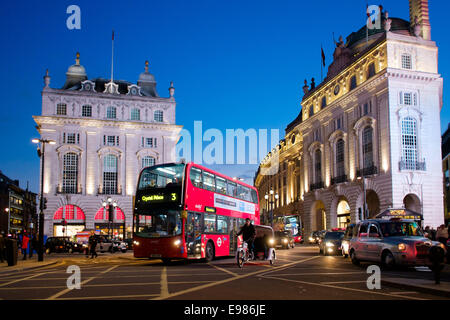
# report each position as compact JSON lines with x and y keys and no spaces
{"x":209,"y":254}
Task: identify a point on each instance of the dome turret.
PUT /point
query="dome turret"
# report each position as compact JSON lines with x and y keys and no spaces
{"x":75,"y":74}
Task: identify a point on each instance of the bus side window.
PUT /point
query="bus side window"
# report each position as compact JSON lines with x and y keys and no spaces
{"x":209,"y":181}
{"x":210,"y":223}
{"x":231,"y":189}
{"x":222,"y":224}
{"x":254,"y":196}
{"x":196,"y":177}
{"x":221,"y":185}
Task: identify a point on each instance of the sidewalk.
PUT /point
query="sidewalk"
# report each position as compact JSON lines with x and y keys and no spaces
{"x":28,"y":264}
{"x":421,"y":282}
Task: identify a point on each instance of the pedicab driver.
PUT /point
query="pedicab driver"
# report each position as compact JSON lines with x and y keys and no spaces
{"x":248,"y":232}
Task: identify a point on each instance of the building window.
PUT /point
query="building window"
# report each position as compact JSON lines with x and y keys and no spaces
{"x":71,"y":138}
{"x":311,"y":111}
{"x":318,"y":166}
{"x":408,"y":98}
{"x":148,"y":161}
{"x":61,"y":109}
{"x":352,"y":82}
{"x":70,"y":173}
{"x":158,"y":116}
{"x":324,"y":102}
{"x":135,"y":114}
{"x":340,"y":165}
{"x":367,"y":147}
{"x":111,"y":141}
{"x":371,"y":71}
{"x":110,"y":174}
{"x":111,"y":112}
{"x":409,"y":143}
{"x":149,"y":142}
{"x":86,"y":111}
{"x":406,"y":61}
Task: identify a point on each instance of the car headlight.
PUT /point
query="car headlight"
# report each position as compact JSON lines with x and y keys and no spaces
{"x":329,"y":244}
{"x":311,"y":239}
{"x":285,"y":240}
{"x":401,"y":247}
{"x":271,"y":241}
{"x":177,"y":242}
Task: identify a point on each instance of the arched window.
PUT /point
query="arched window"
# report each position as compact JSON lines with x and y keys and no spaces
{"x":110,"y":174}
{"x":148,"y":161}
{"x":158,"y":116}
{"x":324,"y":102}
{"x":353,"y":83}
{"x":70,"y":173}
{"x":340,"y":165}
{"x":318,"y":166}
{"x":409,"y":143}
{"x":367,"y":147}
{"x":311,"y":111}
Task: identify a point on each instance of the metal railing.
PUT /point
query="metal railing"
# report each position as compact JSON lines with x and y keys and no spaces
{"x":412,"y":165}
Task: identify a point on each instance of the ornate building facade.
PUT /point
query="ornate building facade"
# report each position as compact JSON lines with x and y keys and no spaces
{"x":369,"y":133}
{"x":105,"y":132}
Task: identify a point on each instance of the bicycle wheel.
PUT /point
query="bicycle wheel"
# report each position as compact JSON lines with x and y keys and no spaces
{"x":240,"y":258}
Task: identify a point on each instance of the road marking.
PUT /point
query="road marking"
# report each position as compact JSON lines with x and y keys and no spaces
{"x":111,"y":297}
{"x":404,"y":292}
{"x":343,"y":282}
{"x":208,"y":285}
{"x":55,"y":296}
{"x":23,"y":279}
{"x":222,"y":269}
{"x":343,"y":288}
{"x":164,"y":284}
{"x":318,"y":273}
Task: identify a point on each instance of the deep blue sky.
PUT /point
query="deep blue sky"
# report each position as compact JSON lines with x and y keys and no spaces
{"x":235,"y":64}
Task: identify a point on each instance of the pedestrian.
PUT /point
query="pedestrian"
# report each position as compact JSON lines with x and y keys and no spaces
{"x":93,"y":245}
{"x":2,"y":246}
{"x":442,"y":234}
{"x":25,"y":241}
{"x":32,"y":245}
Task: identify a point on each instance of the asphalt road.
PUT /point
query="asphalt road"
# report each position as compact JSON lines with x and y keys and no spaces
{"x":299,"y":273}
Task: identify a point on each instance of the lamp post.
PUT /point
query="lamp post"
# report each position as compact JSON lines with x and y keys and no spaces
{"x":271,"y":195}
{"x":9,"y":218}
{"x":364,"y":194}
{"x":109,"y":205}
{"x":41,"y":155}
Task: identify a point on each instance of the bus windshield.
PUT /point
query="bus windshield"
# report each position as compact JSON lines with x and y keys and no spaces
{"x":158,"y":223}
{"x":162,"y":176}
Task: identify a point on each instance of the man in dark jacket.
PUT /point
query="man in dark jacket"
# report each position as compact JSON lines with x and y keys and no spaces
{"x":92,"y":244}
{"x":248,"y":232}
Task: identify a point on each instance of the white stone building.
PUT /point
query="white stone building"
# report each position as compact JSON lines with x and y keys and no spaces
{"x":374,"y":118}
{"x":105,"y":133}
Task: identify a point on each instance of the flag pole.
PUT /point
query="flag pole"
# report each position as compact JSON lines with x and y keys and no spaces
{"x":112,"y":56}
{"x":321,"y":63}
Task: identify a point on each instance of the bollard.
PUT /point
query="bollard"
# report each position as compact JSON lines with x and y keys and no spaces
{"x":11,"y":252}
{"x":436,"y":255}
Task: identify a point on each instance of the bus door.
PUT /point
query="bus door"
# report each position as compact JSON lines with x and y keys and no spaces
{"x":234,"y":229}
{"x":193,"y":234}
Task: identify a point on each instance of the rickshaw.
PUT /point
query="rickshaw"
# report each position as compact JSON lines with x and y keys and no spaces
{"x":263,"y":247}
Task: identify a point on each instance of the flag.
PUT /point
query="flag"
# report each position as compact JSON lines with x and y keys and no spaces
{"x":323,"y":56}
{"x":369,"y":19}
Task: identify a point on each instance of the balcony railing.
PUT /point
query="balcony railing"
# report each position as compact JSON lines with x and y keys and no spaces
{"x":367,"y":171}
{"x":110,"y":190}
{"x":317,"y":185}
{"x":339,"y":179}
{"x":69,"y":189}
{"x":412,"y":165}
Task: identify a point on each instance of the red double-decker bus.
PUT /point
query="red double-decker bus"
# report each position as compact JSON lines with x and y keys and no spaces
{"x":189,"y":211}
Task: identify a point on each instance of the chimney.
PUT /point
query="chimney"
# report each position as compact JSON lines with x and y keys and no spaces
{"x":419,"y":9}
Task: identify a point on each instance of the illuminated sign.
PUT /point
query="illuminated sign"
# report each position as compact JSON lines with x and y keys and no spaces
{"x":210,"y":209}
{"x":160,"y":197}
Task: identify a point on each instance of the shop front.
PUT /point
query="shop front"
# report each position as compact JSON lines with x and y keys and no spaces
{"x":68,"y":221}
{"x":115,"y":227}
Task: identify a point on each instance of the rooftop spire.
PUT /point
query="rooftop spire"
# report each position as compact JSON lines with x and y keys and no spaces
{"x":146,"y":66}
{"x":77,"y":60}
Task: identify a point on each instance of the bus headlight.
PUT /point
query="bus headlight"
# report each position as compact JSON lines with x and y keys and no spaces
{"x":136,"y":243}
{"x":177,"y":242}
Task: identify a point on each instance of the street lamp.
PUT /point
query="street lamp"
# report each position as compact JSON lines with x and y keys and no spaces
{"x":272,"y":196}
{"x":364,"y":194}
{"x":41,"y":155}
{"x":110,"y":205}
{"x":7,"y":211}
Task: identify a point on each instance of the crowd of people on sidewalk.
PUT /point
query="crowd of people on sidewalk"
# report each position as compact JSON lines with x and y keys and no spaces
{"x":26,"y":243}
{"x":440,"y":234}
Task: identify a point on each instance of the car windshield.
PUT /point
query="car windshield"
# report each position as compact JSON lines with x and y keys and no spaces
{"x":162,"y":176}
{"x":401,"y":229}
{"x":158,"y":223}
{"x":334,"y":235}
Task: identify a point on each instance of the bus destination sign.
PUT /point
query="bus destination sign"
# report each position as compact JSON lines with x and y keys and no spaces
{"x":159,"y":198}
